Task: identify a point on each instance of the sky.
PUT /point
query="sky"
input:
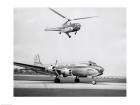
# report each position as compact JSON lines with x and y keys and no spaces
{"x":101,"y":39}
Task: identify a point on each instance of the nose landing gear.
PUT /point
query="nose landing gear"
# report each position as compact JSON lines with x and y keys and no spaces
{"x":93,"y":82}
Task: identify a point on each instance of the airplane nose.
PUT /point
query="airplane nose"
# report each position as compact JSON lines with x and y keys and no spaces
{"x":101,"y":70}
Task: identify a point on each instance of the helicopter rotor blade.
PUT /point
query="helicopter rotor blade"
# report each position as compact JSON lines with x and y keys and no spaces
{"x":67,"y":21}
{"x":84,"y":18}
{"x":58,"y":13}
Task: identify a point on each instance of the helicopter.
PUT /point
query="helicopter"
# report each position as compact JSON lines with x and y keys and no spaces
{"x":67,"y":27}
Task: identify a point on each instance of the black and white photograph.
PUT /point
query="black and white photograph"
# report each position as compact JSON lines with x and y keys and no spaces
{"x":76,"y":52}
{"x":72,"y":52}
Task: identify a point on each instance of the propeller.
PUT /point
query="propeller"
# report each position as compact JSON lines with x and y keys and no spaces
{"x":68,"y":18}
{"x":54,"y":68}
{"x":55,"y":62}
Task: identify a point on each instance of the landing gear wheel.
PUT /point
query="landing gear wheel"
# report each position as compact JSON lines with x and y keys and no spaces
{"x":77,"y":80}
{"x":57,"y":80}
{"x":93,"y":82}
{"x":69,"y":36}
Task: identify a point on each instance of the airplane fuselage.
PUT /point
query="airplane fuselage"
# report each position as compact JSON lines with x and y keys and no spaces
{"x":84,"y":72}
{"x":80,"y":71}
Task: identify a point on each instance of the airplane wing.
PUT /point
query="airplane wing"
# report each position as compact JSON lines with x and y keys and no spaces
{"x":38,"y":69}
{"x":32,"y":67}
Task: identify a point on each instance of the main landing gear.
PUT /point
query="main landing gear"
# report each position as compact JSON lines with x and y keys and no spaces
{"x":57,"y":79}
{"x":77,"y":80}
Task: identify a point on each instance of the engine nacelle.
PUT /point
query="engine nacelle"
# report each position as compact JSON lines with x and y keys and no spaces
{"x":50,"y":68}
{"x":66,"y":72}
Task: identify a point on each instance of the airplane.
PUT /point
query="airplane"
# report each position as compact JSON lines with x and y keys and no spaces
{"x":83,"y":69}
{"x":67,"y":27}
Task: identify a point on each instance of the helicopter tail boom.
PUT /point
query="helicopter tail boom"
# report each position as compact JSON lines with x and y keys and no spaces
{"x":52,"y":29}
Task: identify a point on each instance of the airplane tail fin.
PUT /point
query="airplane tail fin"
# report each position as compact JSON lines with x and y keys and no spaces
{"x":37,"y":61}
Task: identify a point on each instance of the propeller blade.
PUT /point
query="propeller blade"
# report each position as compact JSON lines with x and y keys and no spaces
{"x":56,"y":72}
{"x":58,"y":13}
{"x":84,"y":18}
{"x":55,"y":62}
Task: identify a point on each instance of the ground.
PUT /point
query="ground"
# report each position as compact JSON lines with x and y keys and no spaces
{"x":41,"y":85}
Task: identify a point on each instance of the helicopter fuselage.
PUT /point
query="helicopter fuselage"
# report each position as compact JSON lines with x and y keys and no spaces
{"x":71,"y":27}
{"x":66,"y":28}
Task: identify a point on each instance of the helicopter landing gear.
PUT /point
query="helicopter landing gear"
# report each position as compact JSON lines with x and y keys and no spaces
{"x":57,"y":79}
{"x":68,"y":35}
{"x":77,"y":80}
{"x":60,"y":32}
{"x":75,"y":32}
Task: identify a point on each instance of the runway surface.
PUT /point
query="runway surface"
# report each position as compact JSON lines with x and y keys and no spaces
{"x":67,"y":87}
{"x":51,"y":84}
